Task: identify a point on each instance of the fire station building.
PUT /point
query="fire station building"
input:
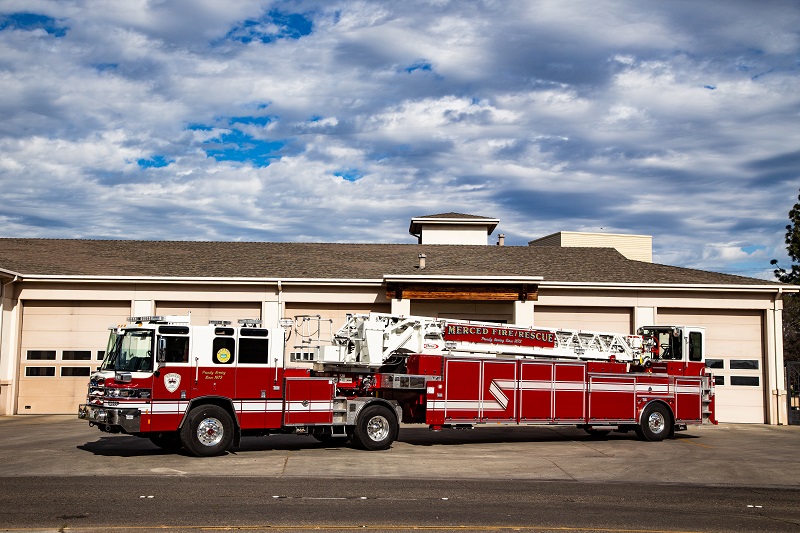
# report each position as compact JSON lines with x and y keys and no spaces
{"x":59,"y":298}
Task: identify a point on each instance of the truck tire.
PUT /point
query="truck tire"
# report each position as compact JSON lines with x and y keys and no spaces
{"x":208,"y":431}
{"x":376,"y":428}
{"x":656,"y":423}
{"x":169,"y":441}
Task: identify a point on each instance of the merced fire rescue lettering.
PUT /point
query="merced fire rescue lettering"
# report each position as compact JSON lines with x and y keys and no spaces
{"x":497,"y":335}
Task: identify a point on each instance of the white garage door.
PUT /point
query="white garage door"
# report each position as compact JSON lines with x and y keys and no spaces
{"x":201,"y":312}
{"x":62,"y":342}
{"x":501,"y":312}
{"x":735,"y":353}
{"x":599,"y":319}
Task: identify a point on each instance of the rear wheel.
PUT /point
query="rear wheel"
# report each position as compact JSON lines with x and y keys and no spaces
{"x":208,"y":431}
{"x":656,"y":423}
{"x":376,"y":428}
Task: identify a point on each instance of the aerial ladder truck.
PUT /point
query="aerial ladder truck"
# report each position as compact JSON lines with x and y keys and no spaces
{"x":202,"y":388}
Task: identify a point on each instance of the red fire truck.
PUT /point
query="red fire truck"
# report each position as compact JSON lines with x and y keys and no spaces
{"x":202,"y":388}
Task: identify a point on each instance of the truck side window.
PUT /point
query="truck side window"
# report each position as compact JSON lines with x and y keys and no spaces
{"x":223,"y":350}
{"x":177,"y":349}
{"x":675,"y":351}
{"x":695,"y":346}
{"x":253,"y":351}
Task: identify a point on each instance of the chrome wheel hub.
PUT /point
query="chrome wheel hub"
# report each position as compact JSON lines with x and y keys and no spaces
{"x":210,"y":432}
{"x":377,"y":428}
{"x":656,"y":423}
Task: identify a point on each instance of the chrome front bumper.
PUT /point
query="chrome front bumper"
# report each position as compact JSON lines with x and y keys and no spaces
{"x":127,"y":420}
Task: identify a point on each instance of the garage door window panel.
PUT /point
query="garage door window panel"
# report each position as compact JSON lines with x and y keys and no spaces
{"x":75,"y":371}
{"x":41,"y":355}
{"x":744,"y":364}
{"x":76,"y":355}
{"x":746,"y":381}
{"x":40,"y":371}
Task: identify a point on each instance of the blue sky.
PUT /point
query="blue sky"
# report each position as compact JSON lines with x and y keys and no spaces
{"x":338,"y":121}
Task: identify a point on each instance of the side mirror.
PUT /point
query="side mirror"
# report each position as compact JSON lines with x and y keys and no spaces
{"x":161,"y":356}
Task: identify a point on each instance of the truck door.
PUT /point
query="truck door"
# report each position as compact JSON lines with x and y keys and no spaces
{"x":256,"y":377}
{"x":174,"y":377}
{"x":214,"y":371}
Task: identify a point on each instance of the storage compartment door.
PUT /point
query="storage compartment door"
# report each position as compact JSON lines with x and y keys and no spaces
{"x":570,"y":392}
{"x":612,"y":399}
{"x":308,"y":401}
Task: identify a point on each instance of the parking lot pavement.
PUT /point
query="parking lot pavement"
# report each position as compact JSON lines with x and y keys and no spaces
{"x":728,"y":454}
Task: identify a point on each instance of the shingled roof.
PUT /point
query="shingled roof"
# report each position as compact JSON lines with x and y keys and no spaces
{"x":457,"y":215}
{"x":190,"y":259}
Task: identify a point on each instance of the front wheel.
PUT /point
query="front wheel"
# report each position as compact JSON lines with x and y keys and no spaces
{"x":376,"y":428}
{"x":656,"y":423}
{"x":208,"y":431}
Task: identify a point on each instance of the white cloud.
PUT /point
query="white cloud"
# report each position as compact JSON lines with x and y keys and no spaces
{"x":673,"y":119}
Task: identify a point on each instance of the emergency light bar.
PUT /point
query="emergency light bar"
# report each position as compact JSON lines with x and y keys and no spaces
{"x":219,"y":322}
{"x":140,"y":319}
{"x":251,"y":322}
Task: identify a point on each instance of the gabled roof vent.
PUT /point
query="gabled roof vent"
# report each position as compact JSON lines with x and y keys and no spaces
{"x":452,"y":228}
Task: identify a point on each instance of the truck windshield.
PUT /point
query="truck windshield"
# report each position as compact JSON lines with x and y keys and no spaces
{"x":129,"y":351}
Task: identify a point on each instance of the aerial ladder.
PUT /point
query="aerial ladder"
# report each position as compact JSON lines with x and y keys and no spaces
{"x":372,"y":340}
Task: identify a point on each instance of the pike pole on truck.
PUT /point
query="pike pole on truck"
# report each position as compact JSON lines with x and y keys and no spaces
{"x":202,"y":388}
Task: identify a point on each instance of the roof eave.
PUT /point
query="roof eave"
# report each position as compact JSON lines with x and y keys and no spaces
{"x":197,"y":279}
{"x":9,"y":273}
{"x":462,"y":279}
{"x":670,"y":286}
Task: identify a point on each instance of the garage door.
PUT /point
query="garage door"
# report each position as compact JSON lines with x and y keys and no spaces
{"x":599,"y":319}
{"x":500,"y":312}
{"x":201,"y":312}
{"x":735,"y":353}
{"x":62,"y":342}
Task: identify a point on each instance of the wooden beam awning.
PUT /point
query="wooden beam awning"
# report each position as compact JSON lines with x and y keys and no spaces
{"x":462,"y":291}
